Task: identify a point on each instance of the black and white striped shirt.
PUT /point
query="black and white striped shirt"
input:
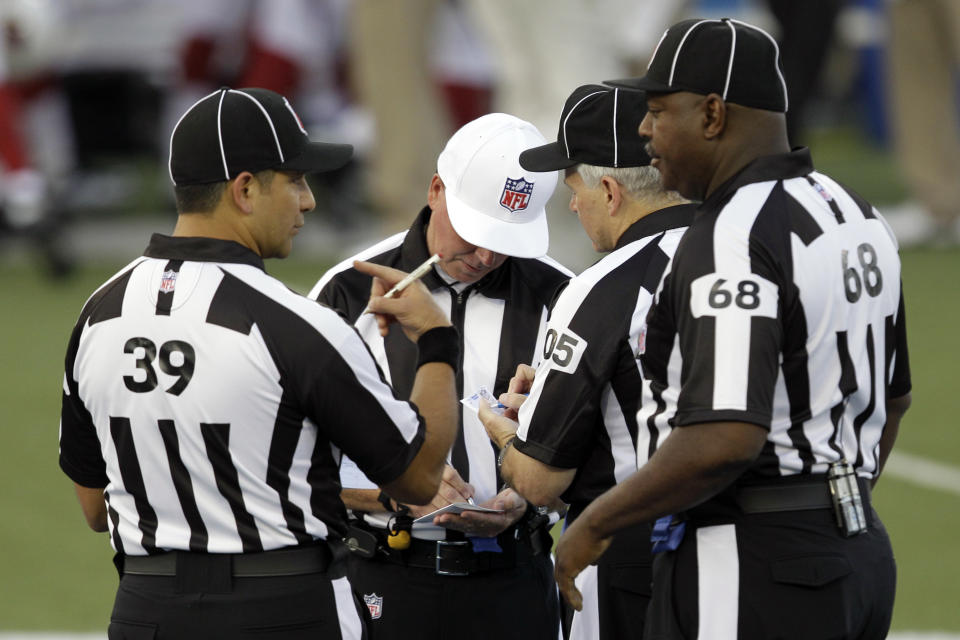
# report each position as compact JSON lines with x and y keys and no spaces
{"x":782,"y":308}
{"x":213,"y":404}
{"x":501,"y":320}
{"x":582,"y":408}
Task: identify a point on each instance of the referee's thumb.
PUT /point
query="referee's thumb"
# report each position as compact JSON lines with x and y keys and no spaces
{"x":384,"y":306}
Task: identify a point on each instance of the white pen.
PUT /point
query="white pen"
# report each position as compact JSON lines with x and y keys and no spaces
{"x":413,"y":276}
{"x":470,"y":500}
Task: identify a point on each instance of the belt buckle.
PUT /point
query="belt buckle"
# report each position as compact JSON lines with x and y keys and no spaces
{"x":441,"y":558}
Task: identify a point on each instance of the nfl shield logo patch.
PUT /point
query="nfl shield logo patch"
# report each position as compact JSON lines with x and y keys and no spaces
{"x":168,"y":281}
{"x":823,"y":192}
{"x":516,"y":194}
{"x":375,"y":604}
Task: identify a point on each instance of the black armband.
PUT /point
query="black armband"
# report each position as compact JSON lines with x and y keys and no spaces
{"x":440,"y":344}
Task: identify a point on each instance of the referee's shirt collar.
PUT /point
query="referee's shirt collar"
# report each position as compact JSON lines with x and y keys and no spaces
{"x":201,"y":250}
{"x":414,"y":251}
{"x":673,"y":217}
{"x":781,"y":166}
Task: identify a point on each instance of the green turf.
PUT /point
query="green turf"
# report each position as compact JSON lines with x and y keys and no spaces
{"x":58,"y":573}
{"x":923,"y":524}
{"x":846,"y":155}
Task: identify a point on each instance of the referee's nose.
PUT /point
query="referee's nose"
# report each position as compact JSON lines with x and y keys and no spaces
{"x":485,"y":256}
{"x":307,"y":201}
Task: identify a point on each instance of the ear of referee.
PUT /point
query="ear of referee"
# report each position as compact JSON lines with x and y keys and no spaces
{"x":206,"y":406}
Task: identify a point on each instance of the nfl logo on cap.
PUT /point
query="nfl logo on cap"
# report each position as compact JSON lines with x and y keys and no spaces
{"x":491,"y":200}
{"x":516,"y":194}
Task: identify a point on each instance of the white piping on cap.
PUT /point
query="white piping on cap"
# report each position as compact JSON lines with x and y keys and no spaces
{"x":223,"y":155}
{"x":776,"y":60}
{"x":266,"y":115}
{"x":676,"y":54}
{"x":733,"y":51}
{"x":566,"y":142}
{"x":657,"y":48}
{"x":176,"y":126}
{"x":296,"y":118}
{"x":616,"y":95}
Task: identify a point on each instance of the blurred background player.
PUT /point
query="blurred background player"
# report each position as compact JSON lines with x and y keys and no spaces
{"x":924,"y":58}
{"x":28,"y":195}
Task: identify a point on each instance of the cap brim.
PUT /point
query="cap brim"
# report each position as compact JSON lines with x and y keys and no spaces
{"x":529,"y":239}
{"x":549,"y":157}
{"x":644,"y":84}
{"x":318,"y":157}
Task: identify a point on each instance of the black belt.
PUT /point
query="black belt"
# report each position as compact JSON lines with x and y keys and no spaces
{"x":292,"y":561}
{"x":456,"y":557}
{"x":794,"y":496}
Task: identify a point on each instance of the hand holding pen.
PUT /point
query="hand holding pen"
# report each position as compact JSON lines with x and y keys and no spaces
{"x":414,"y":275}
{"x":415,"y":310}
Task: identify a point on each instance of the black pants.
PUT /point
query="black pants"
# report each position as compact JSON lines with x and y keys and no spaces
{"x":776,"y":575}
{"x":616,"y":600}
{"x":412,"y":602}
{"x":287,"y":607}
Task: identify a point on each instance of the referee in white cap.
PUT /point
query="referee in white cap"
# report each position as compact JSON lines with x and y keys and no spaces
{"x":775,"y":359}
{"x":206,"y":406}
{"x":485,"y":217}
{"x":577,"y":433}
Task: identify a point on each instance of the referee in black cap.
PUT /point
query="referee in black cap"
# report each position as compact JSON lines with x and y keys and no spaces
{"x":206,"y":406}
{"x":775,"y":355}
{"x":577,"y":433}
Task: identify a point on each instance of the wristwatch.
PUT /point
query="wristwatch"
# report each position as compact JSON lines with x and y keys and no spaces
{"x":503,"y":452}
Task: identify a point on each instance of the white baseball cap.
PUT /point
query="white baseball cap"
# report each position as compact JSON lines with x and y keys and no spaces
{"x":492,"y":201}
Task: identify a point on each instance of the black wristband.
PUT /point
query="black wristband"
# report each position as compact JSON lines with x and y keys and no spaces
{"x":384,"y":499}
{"x":440,"y":344}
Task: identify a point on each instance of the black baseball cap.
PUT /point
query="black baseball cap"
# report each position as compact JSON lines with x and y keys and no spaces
{"x":738,"y":61}
{"x":235,"y":130}
{"x":598,"y":126}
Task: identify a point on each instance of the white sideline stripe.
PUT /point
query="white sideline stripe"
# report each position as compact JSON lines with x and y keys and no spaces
{"x":923,"y":471}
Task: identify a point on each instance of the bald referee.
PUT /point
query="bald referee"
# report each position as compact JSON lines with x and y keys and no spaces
{"x":775,"y":359}
{"x":577,"y":433}
{"x":206,"y":406}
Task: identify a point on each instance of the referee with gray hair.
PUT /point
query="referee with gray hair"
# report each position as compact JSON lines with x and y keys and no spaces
{"x":577,"y":433}
{"x":206,"y":406}
{"x":775,"y":369}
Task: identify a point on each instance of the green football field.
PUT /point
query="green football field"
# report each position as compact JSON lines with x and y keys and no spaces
{"x":58,"y":576}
